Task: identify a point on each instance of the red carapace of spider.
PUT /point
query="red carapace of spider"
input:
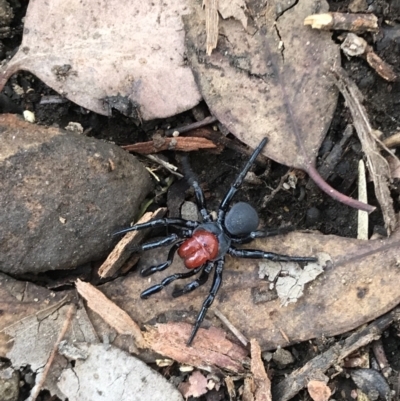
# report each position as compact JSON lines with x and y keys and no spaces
{"x":203,"y":245}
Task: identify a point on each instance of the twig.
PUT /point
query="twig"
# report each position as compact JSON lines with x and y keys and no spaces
{"x":269,"y":197}
{"x":354,"y":45}
{"x":168,"y":166}
{"x":392,"y":141}
{"x":296,"y":381}
{"x":335,"y":155}
{"x":190,"y":127}
{"x":362,"y":226}
{"x":231,"y":327}
{"x":380,"y":356}
{"x":343,"y":22}
{"x":184,"y":144}
{"x":43,"y":376}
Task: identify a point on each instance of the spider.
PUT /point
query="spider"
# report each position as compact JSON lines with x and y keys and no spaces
{"x":203,"y":245}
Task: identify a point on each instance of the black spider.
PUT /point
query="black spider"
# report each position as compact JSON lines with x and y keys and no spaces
{"x":205,"y":244}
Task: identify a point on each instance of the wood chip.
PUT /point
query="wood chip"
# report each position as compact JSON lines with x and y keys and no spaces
{"x":110,"y":313}
{"x":261,"y":380}
{"x":122,"y":252}
{"x":212,"y":18}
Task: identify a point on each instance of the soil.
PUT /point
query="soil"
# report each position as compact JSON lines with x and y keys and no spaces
{"x":304,"y":206}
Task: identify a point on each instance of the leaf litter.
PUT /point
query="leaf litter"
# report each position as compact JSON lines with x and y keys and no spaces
{"x":357,"y":253}
{"x":270,"y":80}
{"x":104,"y":53}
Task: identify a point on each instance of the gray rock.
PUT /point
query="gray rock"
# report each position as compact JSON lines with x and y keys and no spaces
{"x":62,"y":195}
{"x":9,"y":384}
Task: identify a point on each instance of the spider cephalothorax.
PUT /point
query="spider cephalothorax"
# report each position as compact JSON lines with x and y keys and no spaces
{"x":203,"y":246}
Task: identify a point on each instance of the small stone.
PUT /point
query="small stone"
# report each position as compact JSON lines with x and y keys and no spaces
{"x":29,"y":116}
{"x":9,"y":385}
{"x":282,"y":357}
{"x":312,"y":216}
{"x":47,"y":174}
{"x":189,"y":211}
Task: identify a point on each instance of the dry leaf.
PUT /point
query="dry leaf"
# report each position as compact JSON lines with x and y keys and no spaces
{"x":271,"y":80}
{"x":210,"y":350}
{"x":104,"y":54}
{"x":233,"y":9}
{"x":112,"y":374}
{"x":361,"y":279}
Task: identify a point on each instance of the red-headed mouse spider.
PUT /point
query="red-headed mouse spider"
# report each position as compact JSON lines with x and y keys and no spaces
{"x":203,"y":245}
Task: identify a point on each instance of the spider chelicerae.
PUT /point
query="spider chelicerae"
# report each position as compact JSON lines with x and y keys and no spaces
{"x":203,"y":245}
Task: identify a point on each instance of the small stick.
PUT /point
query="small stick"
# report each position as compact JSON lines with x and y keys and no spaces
{"x":293,"y":383}
{"x":38,"y":386}
{"x":168,"y":166}
{"x":231,"y":327}
{"x":392,"y":141}
{"x":354,"y":45}
{"x":269,"y":197}
{"x":343,"y":22}
{"x":190,"y":127}
{"x":380,"y":356}
{"x":184,"y":144}
{"x":362,"y":226}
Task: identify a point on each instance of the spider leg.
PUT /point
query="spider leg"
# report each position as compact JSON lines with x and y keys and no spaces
{"x":170,"y":239}
{"x":148,"y":271}
{"x":262,"y":234}
{"x":192,"y":180}
{"x":276,"y":257}
{"x":168,"y":280}
{"x":209,"y":300}
{"x":160,"y":223}
{"x":223,"y":207}
{"x":196,"y":283}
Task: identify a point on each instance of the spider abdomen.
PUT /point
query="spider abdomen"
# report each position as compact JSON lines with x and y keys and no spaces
{"x":198,"y":249}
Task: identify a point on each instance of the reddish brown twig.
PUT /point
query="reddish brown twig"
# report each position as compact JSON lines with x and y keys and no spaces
{"x":183,"y":144}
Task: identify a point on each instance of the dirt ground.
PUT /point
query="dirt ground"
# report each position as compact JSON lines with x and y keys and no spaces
{"x":304,"y":206}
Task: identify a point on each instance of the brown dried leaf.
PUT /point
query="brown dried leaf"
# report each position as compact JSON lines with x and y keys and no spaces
{"x":318,"y":390}
{"x":272,"y":80}
{"x":362,"y":279}
{"x":95,"y":52}
{"x":210,"y":350}
{"x":243,"y":90}
{"x":31,"y":320}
